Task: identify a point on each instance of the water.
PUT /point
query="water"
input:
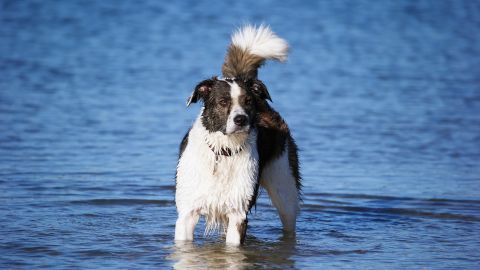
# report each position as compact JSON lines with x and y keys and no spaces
{"x":383,"y":99}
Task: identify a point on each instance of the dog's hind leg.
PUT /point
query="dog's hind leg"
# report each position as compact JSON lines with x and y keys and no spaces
{"x":185,"y":225}
{"x":278,"y":180}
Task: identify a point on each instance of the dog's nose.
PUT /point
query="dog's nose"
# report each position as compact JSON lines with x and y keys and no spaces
{"x":240,"y":120}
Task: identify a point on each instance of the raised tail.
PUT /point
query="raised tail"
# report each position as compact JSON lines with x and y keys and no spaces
{"x":251,"y":46}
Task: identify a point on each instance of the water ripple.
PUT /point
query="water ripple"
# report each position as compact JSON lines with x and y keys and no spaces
{"x":123,"y":202}
{"x":382,"y":99}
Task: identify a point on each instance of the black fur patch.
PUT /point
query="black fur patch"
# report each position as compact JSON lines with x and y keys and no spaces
{"x":183,"y":144}
{"x":294,"y":162}
{"x":182,"y":147}
{"x":242,"y":230}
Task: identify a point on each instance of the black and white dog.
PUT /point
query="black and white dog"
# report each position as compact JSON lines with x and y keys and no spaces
{"x":237,"y":144}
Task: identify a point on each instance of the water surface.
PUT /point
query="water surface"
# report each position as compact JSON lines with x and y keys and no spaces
{"x":383,"y":99}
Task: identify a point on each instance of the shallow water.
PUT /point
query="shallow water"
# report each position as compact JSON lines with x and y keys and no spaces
{"x":383,"y":99}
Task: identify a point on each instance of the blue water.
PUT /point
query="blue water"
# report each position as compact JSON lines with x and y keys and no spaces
{"x":383,"y":98}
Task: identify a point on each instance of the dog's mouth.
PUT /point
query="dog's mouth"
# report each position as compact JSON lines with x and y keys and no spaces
{"x":237,"y":130}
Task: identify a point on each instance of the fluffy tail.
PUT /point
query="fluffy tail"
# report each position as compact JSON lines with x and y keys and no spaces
{"x":251,"y":46}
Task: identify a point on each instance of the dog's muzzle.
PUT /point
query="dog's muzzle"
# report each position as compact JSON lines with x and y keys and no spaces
{"x":237,"y":123}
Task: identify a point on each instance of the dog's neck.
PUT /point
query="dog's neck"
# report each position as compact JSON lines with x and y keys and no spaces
{"x":227,"y":152}
{"x":218,"y":142}
{"x":221,"y":143}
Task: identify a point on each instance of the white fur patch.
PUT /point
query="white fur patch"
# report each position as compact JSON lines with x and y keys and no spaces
{"x":261,"y":41}
{"x":278,"y":180}
{"x":216,"y":195}
{"x":235,"y":92}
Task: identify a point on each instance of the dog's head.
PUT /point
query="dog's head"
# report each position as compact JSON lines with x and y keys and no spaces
{"x":230,"y":105}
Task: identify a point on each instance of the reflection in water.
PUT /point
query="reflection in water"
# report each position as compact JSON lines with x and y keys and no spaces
{"x":190,"y":256}
{"x":218,"y":255}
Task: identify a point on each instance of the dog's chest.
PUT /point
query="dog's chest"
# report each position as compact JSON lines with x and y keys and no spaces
{"x":211,"y":183}
{"x":217,"y":182}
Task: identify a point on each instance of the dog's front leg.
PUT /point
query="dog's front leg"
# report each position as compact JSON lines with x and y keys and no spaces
{"x":185,"y":226}
{"x":237,"y":228}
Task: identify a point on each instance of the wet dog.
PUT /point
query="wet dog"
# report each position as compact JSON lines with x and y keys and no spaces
{"x":237,"y":144}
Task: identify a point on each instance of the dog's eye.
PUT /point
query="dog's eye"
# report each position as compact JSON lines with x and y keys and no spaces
{"x":248,"y":101}
{"x":223,"y":102}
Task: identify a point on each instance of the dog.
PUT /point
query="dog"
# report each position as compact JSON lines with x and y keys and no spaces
{"x":237,"y":143}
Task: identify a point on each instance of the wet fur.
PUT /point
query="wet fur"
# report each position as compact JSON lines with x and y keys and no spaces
{"x":265,"y":155}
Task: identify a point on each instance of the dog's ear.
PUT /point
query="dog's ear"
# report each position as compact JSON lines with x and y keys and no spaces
{"x":260,"y":90}
{"x":202,"y":90}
